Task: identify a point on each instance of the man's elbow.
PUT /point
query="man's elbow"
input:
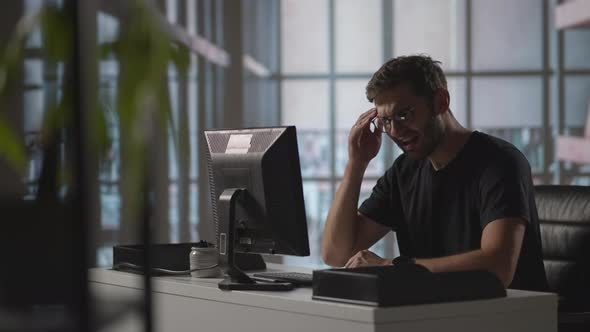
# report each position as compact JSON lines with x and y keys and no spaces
{"x":329,"y":260}
{"x":505,"y":277}
{"x":331,"y":257}
{"x":504,"y":272}
{"x":501,"y":264}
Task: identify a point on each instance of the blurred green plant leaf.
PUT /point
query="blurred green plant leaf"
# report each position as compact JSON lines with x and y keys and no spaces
{"x":140,"y":81}
{"x":58,"y":33}
{"x":12,"y":53}
{"x":180,"y":55}
{"x":144,"y":52}
{"x":12,"y":147}
{"x":108,"y":49}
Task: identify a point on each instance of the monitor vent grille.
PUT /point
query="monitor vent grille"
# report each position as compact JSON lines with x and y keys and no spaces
{"x":260,"y":141}
{"x":213,"y":195}
{"x":217,"y":142}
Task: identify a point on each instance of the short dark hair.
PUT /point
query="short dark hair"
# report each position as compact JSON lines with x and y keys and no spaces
{"x":423,"y":74}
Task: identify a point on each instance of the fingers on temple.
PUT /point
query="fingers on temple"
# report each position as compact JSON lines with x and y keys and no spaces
{"x":366,"y":123}
{"x":367,"y":115}
{"x":363,"y":122}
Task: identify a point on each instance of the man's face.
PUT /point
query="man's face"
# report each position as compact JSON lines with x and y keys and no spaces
{"x":414,"y":126}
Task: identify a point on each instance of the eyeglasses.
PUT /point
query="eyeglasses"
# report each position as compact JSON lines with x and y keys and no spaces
{"x":402,"y":117}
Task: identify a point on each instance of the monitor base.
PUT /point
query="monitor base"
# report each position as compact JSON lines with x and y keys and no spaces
{"x":236,"y":278}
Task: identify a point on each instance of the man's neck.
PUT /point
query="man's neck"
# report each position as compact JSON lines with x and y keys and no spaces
{"x":452,"y":142}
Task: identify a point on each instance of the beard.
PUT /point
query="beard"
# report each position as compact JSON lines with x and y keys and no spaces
{"x":432,"y":135}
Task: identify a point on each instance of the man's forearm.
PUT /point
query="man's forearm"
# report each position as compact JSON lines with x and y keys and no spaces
{"x":339,"y":232}
{"x":472,"y":260}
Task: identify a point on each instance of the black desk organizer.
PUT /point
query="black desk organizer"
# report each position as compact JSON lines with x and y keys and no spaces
{"x":403,"y":284}
{"x":173,"y":256}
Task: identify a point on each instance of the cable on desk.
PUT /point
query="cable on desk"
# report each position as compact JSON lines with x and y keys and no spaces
{"x":164,"y":271}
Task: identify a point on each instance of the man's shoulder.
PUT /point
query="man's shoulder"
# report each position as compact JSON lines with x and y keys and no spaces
{"x":499,"y":154}
{"x":496,"y":150}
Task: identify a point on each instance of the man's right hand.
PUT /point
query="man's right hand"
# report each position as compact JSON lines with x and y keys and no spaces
{"x":363,"y":145}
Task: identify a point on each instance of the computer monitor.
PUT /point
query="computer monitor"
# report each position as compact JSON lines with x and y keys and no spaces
{"x":257,"y":197}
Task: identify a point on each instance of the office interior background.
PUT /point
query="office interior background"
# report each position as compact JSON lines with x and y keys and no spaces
{"x":511,"y":74}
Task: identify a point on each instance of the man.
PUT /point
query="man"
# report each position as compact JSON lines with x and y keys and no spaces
{"x":457,"y":199}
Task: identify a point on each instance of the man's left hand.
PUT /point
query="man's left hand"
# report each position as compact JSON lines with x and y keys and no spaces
{"x":366,"y":258}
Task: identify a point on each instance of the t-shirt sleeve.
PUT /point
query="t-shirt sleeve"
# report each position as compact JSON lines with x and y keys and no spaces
{"x":505,"y":188}
{"x":384,"y":205}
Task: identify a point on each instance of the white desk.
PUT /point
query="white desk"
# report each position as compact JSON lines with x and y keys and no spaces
{"x":191,"y":304}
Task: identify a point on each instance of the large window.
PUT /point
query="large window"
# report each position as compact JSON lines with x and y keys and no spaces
{"x":306,"y":63}
{"x":503,"y":71}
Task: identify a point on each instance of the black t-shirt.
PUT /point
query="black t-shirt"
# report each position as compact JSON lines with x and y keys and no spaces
{"x":441,"y":213}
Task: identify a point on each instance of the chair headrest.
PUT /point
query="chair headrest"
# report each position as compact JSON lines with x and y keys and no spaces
{"x":563,"y":203}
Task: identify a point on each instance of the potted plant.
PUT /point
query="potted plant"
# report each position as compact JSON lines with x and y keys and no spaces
{"x":144,"y":53}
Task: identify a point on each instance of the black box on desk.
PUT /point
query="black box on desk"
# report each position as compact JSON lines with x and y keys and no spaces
{"x":169,"y":256}
{"x":173,"y":256}
{"x":403,"y":284}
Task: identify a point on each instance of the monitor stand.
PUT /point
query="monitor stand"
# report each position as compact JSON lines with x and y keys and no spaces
{"x":236,"y":279}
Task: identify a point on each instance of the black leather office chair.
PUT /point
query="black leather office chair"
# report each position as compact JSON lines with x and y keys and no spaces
{"x":564,"y":216}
